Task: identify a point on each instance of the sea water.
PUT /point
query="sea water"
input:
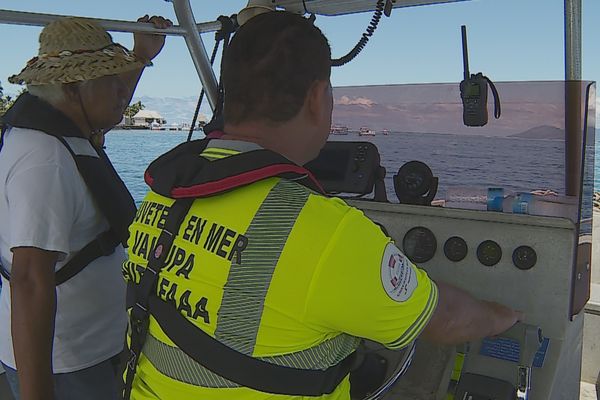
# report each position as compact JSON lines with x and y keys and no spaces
{"x":457,"y":160}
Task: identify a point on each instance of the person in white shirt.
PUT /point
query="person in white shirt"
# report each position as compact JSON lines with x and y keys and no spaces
{"x":64,"y":212}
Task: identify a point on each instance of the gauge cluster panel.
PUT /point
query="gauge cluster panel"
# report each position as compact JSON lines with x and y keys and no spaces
{"x":522,"y":261}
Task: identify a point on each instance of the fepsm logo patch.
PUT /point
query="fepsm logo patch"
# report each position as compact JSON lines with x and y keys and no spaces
{"x":397,"y":275}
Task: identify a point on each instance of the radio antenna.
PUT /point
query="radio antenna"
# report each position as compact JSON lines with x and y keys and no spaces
{"x":465,"y":50}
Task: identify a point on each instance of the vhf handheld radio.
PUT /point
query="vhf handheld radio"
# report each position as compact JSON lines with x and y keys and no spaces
{"x":474,"y":90}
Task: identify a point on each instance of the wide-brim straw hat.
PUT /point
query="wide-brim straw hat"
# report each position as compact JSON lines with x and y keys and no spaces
{"x":75,"y":49}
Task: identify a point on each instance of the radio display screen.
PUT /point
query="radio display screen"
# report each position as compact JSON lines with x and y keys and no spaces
{"x":331,"y":165}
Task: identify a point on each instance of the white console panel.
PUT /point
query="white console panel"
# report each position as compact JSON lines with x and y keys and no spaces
{"x":542,"y":292}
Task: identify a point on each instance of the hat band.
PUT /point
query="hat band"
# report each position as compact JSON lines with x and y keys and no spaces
{"x":128,"y":55}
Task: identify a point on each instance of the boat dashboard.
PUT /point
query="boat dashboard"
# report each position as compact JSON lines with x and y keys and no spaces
{"x":503,"y":212}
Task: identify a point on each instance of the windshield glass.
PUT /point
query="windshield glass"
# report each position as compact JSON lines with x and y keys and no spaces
{"x":528,"y":149}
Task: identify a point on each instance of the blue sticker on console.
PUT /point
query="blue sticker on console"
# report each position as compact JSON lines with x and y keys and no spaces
{"x":509,"y":349}
{"x":540,"y":356}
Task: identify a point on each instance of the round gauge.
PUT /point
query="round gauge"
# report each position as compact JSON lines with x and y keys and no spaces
{"x":524,"y":257}
{"x":489,"y":253}
{"x":419,"y":244}
{"x":456,"y":249}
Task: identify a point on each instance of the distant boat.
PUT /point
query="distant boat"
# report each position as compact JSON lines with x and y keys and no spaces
{"x":155,"y":126}
{"x":385,"y":132}
{"x":338,"y":130}
{"x":364,"y":131}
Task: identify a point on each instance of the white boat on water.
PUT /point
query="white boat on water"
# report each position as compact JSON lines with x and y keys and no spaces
{"x":338,"y":130}
{"x":365,"y":131}
{"x":156,"y":126}
{"x":556,"y":293}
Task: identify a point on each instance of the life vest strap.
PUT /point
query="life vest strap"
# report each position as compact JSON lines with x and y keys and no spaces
{"x":139,"y":314}
{"x":103,"y":245}
{"x":243,"y":369}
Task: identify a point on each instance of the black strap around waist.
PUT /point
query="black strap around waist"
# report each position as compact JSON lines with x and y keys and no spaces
{"x":243,"y":369}
{"x":103,"y":245}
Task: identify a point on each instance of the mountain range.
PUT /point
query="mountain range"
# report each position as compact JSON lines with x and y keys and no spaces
{"x":532,"y":110}
{"x":175,"y":109}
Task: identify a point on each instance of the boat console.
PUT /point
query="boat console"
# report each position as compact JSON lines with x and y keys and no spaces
{"x":538,"y":264}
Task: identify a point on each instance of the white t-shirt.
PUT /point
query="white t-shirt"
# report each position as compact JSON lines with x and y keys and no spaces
{"x":45,"y":203}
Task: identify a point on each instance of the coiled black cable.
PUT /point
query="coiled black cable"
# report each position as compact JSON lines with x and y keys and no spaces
{"x":337,"y":62}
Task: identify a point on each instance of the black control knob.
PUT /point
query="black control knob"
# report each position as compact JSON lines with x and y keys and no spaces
{"x":489,"y":253}
{"x":524,"y":257}
{"x":419,"y":244}
{"x":456,"y":249}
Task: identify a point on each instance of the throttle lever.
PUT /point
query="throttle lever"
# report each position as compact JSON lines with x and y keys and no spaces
{"x":530,"y":339}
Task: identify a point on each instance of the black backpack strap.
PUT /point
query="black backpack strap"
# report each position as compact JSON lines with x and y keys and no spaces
{"x":4,"y":273}
{"x":104,"y":245}
{"x":139,"y":315}
{"x":243,"y":369}
{"x":3,"y":129}
{"x":108,"y":190}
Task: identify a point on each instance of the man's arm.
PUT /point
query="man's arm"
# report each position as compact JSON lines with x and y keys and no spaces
{"x":145,"y":47}
{"x":459,"y":317}
{"x":33,"y":305}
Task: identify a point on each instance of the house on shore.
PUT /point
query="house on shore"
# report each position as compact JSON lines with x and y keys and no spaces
{"x":145,"y":119}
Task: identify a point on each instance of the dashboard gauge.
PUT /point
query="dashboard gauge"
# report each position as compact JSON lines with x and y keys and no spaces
{"x":489,"y":253}
{"x":524,"y":257}
{"x":456,"y":249}
{"x":419,"y":244}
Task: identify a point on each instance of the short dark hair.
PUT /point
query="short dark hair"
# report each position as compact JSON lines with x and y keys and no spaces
{"x":269,"y":66}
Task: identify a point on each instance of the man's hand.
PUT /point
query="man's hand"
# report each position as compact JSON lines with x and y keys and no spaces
{"x":33,"y":301}
{"x":503,"y":317}
{"x":459,"y":317}
{"x":147,"y":46}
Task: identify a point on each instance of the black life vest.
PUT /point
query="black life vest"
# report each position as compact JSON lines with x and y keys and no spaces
{"x":183,"y":175}
{"x":107,"y":189}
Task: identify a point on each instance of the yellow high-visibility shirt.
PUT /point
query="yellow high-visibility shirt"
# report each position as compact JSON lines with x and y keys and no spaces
{"x":277,"y":272}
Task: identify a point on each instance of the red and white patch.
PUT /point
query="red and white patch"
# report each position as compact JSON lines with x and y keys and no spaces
{"x":158,"y":251}
{"x":397,"y":275}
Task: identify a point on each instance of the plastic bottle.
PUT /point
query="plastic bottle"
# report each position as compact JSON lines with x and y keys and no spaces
{"x":474,"y":198}
{"x":498,"y":199}
{"x":549,"y":205}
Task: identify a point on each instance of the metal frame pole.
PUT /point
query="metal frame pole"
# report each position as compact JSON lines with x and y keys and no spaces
{"x":573,"y":94}
{"x":572,"y":40}
{"x":185,"y":16}
{"x":40,"y":19}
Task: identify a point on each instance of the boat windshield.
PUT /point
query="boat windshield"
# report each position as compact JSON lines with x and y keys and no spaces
{"x":528,"y":149}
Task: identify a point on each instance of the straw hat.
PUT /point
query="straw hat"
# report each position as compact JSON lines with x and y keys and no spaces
{"x":75,"y":49}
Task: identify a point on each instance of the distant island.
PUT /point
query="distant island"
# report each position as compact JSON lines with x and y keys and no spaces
{"x":542,"y":132}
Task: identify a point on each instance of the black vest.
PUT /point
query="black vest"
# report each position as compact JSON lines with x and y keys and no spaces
{"x":108,"y":190}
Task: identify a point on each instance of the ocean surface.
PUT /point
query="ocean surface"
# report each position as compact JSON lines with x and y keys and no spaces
{"x":473,"y":161}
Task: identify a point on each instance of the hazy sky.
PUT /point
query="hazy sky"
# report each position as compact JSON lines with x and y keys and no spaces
{"x":508,"y":40}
